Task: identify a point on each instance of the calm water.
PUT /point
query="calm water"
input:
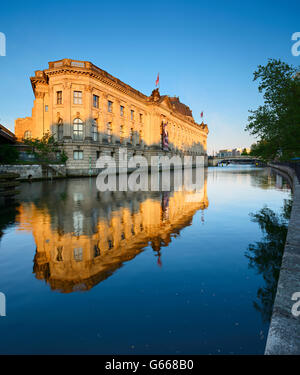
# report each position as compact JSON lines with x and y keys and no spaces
{"x":142,"y":273}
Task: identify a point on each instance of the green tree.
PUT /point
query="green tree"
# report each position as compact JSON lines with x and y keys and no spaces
{"x":8,"y":154}
{"x":45,"y":149}
{"x":244,"y":152}
{"x":276,"y":123}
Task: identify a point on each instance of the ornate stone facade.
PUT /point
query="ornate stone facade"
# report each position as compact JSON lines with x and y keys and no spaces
{"x":89,"y":111}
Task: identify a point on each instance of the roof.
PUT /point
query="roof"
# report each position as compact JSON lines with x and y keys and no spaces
{"x":6,"y":136}
{"x":180,"y":107}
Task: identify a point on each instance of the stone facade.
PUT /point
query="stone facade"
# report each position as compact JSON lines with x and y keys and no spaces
{"x":89,"y":112}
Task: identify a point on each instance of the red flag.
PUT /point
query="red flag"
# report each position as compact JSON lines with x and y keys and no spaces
{"x":201,"y":114}
{"x":157,"y":80}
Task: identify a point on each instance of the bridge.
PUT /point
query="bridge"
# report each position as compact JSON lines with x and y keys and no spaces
{"x":243,"y":159}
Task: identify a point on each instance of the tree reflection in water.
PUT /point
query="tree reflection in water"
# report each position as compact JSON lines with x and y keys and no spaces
{"x":266,"y":256}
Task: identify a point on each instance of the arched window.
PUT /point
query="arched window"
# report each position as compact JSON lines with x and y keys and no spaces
{"x":60,"y":129}
{"x":27,"y":134}
{"x":94,"y":130}
{"x":77,"y":130}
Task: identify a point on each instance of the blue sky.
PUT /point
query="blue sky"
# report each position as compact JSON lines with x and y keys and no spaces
{"x":205,"y":51}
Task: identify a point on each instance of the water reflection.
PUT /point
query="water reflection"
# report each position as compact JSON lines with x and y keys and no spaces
{"x":83,"y":236}
{"x":266,"y":255}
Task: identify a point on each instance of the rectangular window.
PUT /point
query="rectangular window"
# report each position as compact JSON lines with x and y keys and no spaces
{"x":78,"y":155}
{"x":109,"y":106}
{"x":58,"y":97}
{"x":77,"y":97}
{"x":132,"y":114}
{"x":96,"y":101}
{"x":121,"y":110}
{"x":95,"y":130}
{"x":141,"y":117}
{"x":96,"y":251}
{"x":46,"y":108}
{"x":131,"y":135}
{"x":78,"y":254}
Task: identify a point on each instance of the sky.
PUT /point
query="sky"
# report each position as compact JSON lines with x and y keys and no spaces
{"x":205,"y":52}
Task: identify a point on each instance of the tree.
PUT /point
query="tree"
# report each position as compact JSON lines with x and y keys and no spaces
{"x":45,"y":149}
{"x":276,"y":123}
{"x":266,"y":255}
{"x":8,"y":154}
{"x":244,"y":152}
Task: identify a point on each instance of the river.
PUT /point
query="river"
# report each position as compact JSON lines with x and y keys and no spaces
{"x":165,"y":272}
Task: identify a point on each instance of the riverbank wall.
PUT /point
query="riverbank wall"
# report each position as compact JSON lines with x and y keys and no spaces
{"x":29,"y":172}
{"x":37,"y":172}
{"x":284,"y":332}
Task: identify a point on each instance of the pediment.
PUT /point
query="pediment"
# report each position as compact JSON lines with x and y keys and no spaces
{"x":165,"y":102}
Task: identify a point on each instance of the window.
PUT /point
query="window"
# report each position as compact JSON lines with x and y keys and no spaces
{"x":109,"y":132}
{"x":95,"y":130}
{"x":27,"y":134}
{"x":96,"y":251}
{"x":131,"y":135}
{"x":141,"y":117}
{"x":77,"y":129}
{"x":77,"y":97}
{"x":78,"y":254}
{"x":78,"y":155}
{"x":132,"y":114}
{"x":121,"y":133}
{"x":59,"y":257}
{"x":46,"y":108}
{"x":58,"y":97}
{"x":109,"y":106}
{"x":96,"y":101}
{"x":121,"y":110}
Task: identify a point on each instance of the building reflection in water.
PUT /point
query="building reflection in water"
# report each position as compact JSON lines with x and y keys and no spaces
{"x":82,"y":236}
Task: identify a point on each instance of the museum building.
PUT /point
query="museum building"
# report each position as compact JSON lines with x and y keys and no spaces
{"x":91,"y":112}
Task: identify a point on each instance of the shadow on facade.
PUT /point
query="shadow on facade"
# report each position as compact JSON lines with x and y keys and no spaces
{"x":89,"y":138}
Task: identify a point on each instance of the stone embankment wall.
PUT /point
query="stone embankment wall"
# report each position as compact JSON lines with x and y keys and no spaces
{"x":35,"y":171}
{"x":284,"y":332}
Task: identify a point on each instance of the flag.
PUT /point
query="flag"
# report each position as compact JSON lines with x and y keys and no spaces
{"x":157,"y":80}
{"x":201,"y":114}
